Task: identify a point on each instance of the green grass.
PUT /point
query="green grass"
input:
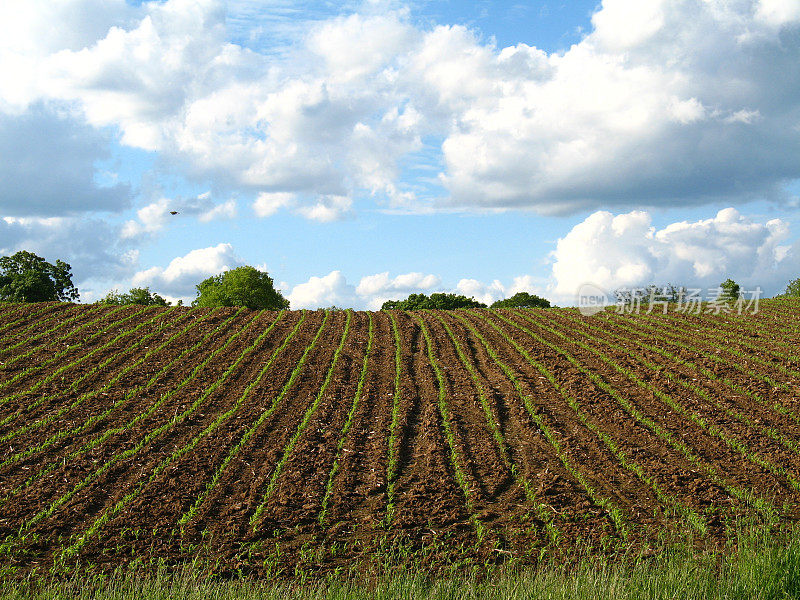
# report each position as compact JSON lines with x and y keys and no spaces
{"x":760,"y":565}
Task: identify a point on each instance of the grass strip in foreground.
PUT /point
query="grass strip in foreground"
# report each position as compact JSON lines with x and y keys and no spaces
{"x":764,"y":565}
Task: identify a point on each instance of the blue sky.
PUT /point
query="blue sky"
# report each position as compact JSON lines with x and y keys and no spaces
{"x":362,"y":151}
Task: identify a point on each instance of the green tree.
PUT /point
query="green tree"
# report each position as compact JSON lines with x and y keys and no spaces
{"x":135,"y":296}
{"x":522,"y":300}
{"x":243,"y":286}
{"x":26,"y":277}
{"x":792,"y":289}
{"x":730,"y":290}
{"x":434,"y":301}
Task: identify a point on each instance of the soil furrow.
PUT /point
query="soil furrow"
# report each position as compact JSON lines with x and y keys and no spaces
{"x":429,"y":502}
{"x":745,"y":378}
{"x":761,"y":426}
{"x":552,"y":483}
{"x":183,"y":480}
{"x":358,"y":498}
{"x":93,"y":375}
{"x":583,"y":447}
{"x":748,"y":477}
{"x":121,"y":457}
{"x":24,"y":319}
{"x":30,"y":377}
{"x":131,"y":401}
{"x":499,"y":502}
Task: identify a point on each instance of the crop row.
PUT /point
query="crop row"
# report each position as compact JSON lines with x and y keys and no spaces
{"x":107,"y":513}
{"x":501,"y":416}
{"x":746,"y":495}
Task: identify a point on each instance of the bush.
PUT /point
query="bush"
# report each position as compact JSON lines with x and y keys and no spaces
{"x":243,"y":286}
{"x":141,"y":296}
{"x":26,"y":277}
{"x":522,"y":300}
{"x":730,"y":290}
{"x":434,"y":301}
{"x":792,"y":290}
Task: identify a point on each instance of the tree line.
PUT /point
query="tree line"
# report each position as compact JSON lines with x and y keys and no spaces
{"x":26,"y":277}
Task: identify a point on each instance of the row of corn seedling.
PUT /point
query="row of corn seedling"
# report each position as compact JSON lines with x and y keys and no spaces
{"x":691,"y":346}
{"x":720,"y":336}
{"x":301,"y":427}
{"x":393,"y":449}
{"x":611,"y":444}
{"x":543,"y":512}
{"x":745,"y":495}
{"x":57,"y":358}
{"x":47,"y":334}
{"x":607,"y":505}
{"x":691,"y":415}
{"x":130,"y":424}
{"x":347,"y":425}
{"x":109,"y":512}
{"x":165,"y":427}
{"x":699,"y":370}
{"x":73,"y":385}
{"x":444,"y":413}
{"x":34,"y":319}
{"x":266,"y":413}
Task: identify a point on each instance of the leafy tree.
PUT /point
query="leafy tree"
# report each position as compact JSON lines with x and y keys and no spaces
{"x":730,"y":290}
{"x":135,"y":296}
{"x":243,"y":286}
{"x":522,"y":300}
{"x":26,"y":277}
{"x":792,"y":289}
{"x":434,"y":301}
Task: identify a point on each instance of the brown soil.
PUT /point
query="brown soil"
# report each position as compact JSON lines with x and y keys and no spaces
{"x":121,"y":497}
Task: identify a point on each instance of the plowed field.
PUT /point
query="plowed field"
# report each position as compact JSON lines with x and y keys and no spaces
{"x":269,"y":443}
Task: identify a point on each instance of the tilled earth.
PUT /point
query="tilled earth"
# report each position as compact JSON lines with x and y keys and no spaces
{"x":266,"y":443}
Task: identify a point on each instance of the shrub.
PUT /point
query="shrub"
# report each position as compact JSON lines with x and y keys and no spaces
{"x":434,"y":301}
{"x":243,"y":286}
{"x":141,"y":296}
{"x":522,"y":300}
{"x":26,"y":277}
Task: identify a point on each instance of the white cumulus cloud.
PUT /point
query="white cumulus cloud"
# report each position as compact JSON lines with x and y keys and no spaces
{"x":179,"y":278}
{"x":156,"y":216}
{"x":626,"y":250}
{"x":663,"y":102}
{"x":373,"y":290}
{"x":323,"y":292}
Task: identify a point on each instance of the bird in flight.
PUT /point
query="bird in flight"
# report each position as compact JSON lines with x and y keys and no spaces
{"x":173,"y":212}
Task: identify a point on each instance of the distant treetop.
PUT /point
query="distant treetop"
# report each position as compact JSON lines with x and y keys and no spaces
{"x":141,"y":296}
{"x":730,"y":290}
{"x":522,"y":300}
{"x":792,"y":289}
{"x":434,"y":301}
{"x":26,"y":277}
{"x":243,"y":286}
